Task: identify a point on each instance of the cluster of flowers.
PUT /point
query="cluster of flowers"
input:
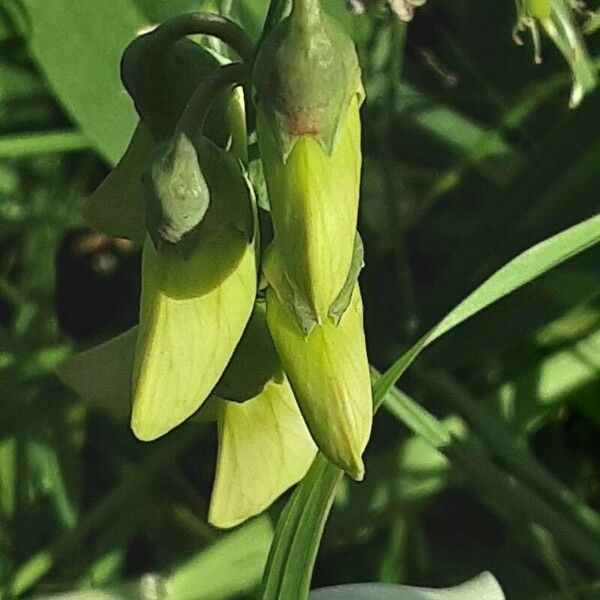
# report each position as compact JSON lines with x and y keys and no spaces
{"x":270,"y":344}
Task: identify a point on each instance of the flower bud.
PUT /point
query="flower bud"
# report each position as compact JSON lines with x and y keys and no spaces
{"x":306,"y":75}
{"x":329,"y":374}
{"x":308,"y":90}
{"x":195,"y":303}
{"x":264,"y":448}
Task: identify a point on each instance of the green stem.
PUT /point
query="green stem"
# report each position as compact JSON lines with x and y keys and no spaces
{"x":200,"y":23}
{"x":198,"y":106}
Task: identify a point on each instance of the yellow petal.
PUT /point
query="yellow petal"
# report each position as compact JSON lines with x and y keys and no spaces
{"x":116,"y":207}
{"x":101,"y":376}
{"x":329,"y":374}
{"x":264,"y":448}
{"x":314,"y":206}
{"x":192,"y":316}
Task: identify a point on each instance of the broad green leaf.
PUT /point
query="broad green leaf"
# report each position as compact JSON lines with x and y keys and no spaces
{"x":291,"y":560}
{"x":482,"y":587}
{"x":264,"y":448}
{"x":78,"y":46}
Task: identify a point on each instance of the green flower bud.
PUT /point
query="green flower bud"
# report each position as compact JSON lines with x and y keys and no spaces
{"x":329,"y":374}
{"x":117,"y":208}
{"x":308,"y":89}
{"x":264,"y":448}
{"x":195,"y":303}
{"x":314,"y":205}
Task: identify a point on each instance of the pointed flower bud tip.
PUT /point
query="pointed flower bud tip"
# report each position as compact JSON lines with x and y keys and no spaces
{"x":329,"y":374}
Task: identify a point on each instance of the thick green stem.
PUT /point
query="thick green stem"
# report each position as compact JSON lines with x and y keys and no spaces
{"x":200,"y":23}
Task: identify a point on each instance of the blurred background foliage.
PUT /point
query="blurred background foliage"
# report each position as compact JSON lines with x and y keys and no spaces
{"x":470,"y":156}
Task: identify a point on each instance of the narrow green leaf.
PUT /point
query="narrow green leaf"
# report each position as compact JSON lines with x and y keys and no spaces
{"x":46,"y":142}
{"x":299,"y":530}
{"x":78,"y":46}
{"x":527,"y":266}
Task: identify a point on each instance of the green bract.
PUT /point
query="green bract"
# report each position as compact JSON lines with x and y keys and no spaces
{"x":558,"y":19}
{"x":329,"y":373}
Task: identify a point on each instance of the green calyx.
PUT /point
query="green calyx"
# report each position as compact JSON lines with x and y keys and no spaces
{"x":177,"y":193}
{"x":194,"y":191}
{"x":306,"y":74}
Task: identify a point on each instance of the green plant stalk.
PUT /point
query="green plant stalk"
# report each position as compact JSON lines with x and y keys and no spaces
{"x":198,"y":107}
{"x":204,"y":23}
